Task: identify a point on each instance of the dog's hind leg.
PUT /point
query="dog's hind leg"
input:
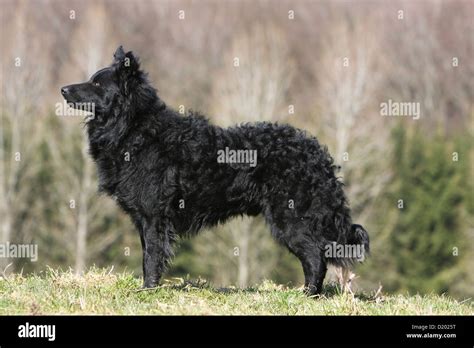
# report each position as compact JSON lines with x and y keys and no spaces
{"x":315,"y":276}
{"x":302,"y":243}
{"x":314,"y":267}
{"x":311,"y":256}
{"x":139,"y":226}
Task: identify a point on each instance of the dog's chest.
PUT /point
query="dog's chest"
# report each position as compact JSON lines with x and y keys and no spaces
{"x":114,"y":177}
{"x":121,"y":182}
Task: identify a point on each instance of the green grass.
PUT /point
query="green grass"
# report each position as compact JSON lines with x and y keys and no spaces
{"x":102,"y":292}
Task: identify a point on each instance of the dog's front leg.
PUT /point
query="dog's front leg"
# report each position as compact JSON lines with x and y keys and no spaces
{"x":139,"y":225}
{"x":157,"y":253}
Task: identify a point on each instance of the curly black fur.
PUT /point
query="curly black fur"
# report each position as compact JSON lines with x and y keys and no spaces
{"x":162,"y":169}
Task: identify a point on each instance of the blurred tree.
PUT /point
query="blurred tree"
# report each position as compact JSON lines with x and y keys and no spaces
{"x":427,"y":241}
{"x":91,"y":48}
{"x":20,"y":99}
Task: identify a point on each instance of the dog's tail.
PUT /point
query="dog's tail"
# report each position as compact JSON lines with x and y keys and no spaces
{"x":359,"y":236}
{"x":352,"y":246}
{"x":353,"y":243}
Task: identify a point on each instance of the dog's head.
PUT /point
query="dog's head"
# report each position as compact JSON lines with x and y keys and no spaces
{"x":113,"y":91}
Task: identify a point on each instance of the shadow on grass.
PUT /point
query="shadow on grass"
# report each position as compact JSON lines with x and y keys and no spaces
{"x":330,"y":290}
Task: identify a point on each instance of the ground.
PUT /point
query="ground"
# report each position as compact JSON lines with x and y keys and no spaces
{"x":101,"y":291}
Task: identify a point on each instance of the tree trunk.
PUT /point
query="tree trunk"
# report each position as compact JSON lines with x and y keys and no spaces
{"x":6,"y":229}
{"x":81,"y":241}
{"x":243,"y":272}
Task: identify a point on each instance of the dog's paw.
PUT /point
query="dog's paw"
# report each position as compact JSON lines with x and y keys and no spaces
{"x":313,"y":291}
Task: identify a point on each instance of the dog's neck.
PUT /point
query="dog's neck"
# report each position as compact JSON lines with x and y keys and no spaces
{"x":109,"y":138}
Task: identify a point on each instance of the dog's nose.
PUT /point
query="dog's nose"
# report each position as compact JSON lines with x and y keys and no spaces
{"x":64,"y":90}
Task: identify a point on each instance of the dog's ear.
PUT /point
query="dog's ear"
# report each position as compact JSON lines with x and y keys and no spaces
{"x":130,"y":62}
{"x":119,"y":54}
{"x":127,"y":63}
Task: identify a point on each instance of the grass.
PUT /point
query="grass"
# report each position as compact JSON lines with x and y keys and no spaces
{"x":101,"y":292}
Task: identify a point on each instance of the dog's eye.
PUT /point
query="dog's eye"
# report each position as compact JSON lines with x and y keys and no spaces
{"x":97,"y":84}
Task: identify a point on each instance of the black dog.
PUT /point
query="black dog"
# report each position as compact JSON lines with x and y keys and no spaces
{"x":174,"y":175}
